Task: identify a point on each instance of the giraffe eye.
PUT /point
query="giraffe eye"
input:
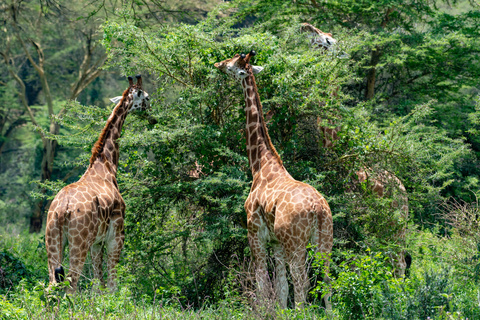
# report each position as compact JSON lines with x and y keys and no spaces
{"x":139,"y":93}
{"x":328,"y":41}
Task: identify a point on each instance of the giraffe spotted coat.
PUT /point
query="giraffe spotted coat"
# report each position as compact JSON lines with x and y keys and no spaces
{"x":280,"y":210}
{"x":89,"y":214}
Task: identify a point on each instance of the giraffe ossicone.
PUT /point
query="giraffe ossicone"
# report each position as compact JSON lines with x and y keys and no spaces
{"x":318,"y":38}
{"x":89,"y":214}
{"x":322,"y":40}
{"x":282,"y":211}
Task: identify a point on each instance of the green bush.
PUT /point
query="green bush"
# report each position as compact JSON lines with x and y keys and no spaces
{"x":358,"y":283}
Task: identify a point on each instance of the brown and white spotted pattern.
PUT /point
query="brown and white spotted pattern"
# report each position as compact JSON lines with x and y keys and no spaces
{"x":318,"y":38}
{"x":280,"y":210}
{"x":89,"y":214}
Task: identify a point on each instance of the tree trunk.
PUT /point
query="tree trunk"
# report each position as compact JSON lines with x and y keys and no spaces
{"x":36,"y":219}
{"x":372,"y":73}
{"x":374,"y":59}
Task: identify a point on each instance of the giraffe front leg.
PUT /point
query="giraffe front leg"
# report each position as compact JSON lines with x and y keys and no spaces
{"x":96,"y":251}
{"x":281,"y":284}
{"x":114,"y":243}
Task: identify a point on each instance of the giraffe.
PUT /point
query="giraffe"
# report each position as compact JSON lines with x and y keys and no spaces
{"x":383,"y":179}
{"x":89,"y":214}
{"x":318,"y":38}
{"x":384,"y":183}
{"x":281,"y":210}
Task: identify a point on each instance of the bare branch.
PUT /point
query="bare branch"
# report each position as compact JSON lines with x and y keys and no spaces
{"x":22,"y":93}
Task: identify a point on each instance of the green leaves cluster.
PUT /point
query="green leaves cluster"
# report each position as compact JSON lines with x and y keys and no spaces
{"x":183,"y":168}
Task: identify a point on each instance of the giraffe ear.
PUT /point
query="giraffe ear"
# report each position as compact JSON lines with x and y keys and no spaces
{"x":116,"y":99}
{"x":257,"y":69}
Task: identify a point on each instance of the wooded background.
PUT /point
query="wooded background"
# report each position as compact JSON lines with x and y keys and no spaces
{"x":403,"y":82}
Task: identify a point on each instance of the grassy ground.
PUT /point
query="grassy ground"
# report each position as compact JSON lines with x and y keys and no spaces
{"x":443,"y":284}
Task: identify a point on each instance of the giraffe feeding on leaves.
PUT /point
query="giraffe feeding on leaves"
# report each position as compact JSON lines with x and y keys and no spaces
{"x":318,"y":38}
{"x":89,"y":214}
{"x":382,"y":183}
{"x":280,"y":210}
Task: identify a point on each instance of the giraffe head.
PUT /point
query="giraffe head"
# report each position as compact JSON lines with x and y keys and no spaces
{"x":319,"y":39}
{"x":137,"y":98}
{"x":239,"y":66}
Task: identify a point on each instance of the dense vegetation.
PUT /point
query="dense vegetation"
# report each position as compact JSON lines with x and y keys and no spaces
{"x":403,"y":84}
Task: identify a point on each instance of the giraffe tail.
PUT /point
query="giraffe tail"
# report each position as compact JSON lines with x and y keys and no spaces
{"x":59,"y":274}
{"x":54,"y":242}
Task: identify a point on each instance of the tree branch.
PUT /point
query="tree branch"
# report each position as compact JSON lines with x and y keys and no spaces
{"x":22,"y":93}
{"x":163,"y":64}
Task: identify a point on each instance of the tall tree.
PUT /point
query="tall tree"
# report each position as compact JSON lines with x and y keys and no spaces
{"x":30,"y":41}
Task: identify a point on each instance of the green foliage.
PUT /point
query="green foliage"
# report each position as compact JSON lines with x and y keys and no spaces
{"x":11,"y":272}
{"x":185,"y":176}
{"x":364,"y":287}
{"x":358,"y":283}
{"x":22,"y":256}
{"x":183,"y":169}
{"x":30,"y":302}
{"x":194,"y":210}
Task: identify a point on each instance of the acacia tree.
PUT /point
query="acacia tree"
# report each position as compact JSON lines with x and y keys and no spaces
{"x":409,"y":52}
{"x":395,"y":34}
{"x":31,"y":36}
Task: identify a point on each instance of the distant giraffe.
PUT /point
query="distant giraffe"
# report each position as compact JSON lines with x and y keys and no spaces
{"x":89,"y":214}
{"x":384,"y":182}
{"x":281,"y":210}
{"x":318,"y":38}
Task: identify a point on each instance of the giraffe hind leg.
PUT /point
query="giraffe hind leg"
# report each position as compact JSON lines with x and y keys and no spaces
{"x":324,"y":248}
{"x":114,"y":244}
{"x":298,"y":272}
{"x":96,"y":252}
{"x":281,"y":284}
{"x":78,"y":254}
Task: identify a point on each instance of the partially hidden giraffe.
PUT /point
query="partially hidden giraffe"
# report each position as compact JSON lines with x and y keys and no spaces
{"x":381,"y":183}
{"x":281,"y":210}
{"x":89,"y":214}
{"x":384,"y":183}
{"x":318,"y":38}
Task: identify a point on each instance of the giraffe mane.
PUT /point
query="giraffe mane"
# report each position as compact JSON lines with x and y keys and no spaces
{"x":260,"y":111}
{"x":98,"y":146}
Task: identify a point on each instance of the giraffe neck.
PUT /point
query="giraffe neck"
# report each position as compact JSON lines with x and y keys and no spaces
{"x":106,"y":148}
{"x":260,"y":149}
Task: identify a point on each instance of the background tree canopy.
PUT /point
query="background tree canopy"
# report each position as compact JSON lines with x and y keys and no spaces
{"x":402,"y":84}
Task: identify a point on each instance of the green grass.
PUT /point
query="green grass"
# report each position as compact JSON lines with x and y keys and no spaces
{"x":39,"y":303}
{"x":442,"y":285}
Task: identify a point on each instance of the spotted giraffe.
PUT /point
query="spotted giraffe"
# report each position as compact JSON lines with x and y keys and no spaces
{"x":281,"y":210}
{"x":381,"y":183}
{"x":89,"y":214}
{"x":384,"y":183}
{"x":318,"y":38}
